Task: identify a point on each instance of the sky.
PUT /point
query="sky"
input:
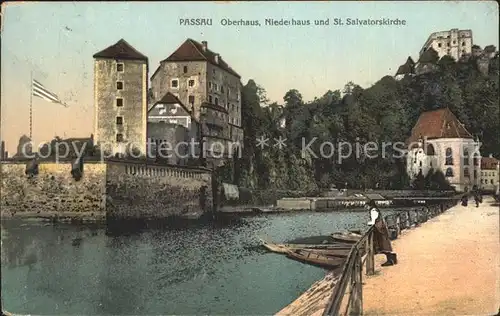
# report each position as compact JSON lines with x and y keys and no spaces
{"x":56,"y":41}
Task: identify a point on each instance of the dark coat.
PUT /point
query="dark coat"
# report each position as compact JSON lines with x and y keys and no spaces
{"x":381,"y":240}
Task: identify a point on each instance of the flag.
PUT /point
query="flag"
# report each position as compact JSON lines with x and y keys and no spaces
{"x":40,"y":91}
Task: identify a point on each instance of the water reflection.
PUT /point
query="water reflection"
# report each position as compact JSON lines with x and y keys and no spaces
{"x":170,"y":269}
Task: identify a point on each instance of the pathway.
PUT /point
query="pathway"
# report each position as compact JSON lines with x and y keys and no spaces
{"x":449,"y":265}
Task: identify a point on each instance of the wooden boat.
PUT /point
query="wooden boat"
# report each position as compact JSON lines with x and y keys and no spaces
{"x":284,"y":248}
{"x":348,"y":237}
{"x":314,"y":258}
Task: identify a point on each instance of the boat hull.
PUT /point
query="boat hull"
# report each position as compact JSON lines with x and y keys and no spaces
{"x":316,"y":258}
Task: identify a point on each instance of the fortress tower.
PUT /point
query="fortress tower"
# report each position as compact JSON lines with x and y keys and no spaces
{"x":120,"y":99}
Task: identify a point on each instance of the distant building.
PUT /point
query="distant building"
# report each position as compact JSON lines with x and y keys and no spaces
{"x":454,"y":43}
{"x":2,"y":150}
{"x":210,"y":90}
{"x":120,"y":99}
{"x":440,"y":141}
{"x":173,"y":134}
{"x":407,"y":69}
{"x":490,"y":174}
{"x":427,"y":62}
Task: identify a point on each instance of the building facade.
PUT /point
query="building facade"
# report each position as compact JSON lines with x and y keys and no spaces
{"x":490,"y":174}
{"x":440,"y":142}
{"x":455,"y":43}
{"x":210,"y":90}
{"x":120,"y":99}
{"x":173,"y":134}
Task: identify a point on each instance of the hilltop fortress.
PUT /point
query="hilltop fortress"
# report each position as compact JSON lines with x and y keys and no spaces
{"x":455,"y":44}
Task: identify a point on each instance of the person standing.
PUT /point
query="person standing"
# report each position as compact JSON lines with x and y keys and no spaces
{"x":381,"y":240}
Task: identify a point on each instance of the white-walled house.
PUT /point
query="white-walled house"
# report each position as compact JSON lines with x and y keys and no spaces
{"x":440,"y":141}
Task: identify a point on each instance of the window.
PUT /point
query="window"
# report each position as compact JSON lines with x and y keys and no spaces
{"x":449,"y":172}
{"x":466,"y":157}
{"x":209,"y":85}
{"x":463,"y":43}
{"x":420,"y":164}
{"x":191,"y":99}
{"x":449,"y":157}
{"x":454,"y":42}
{"x":466,"y":172}
{"x":119,"y":67}
{"x":475,"y":161}
{"x":191,"y":83}
{"x":185,"y":69}
{"x":119,"y":102}
{"x":174,"y":83}
{"x":439,"y":45}
{"x":475,"y":174}
{"x":209,"y":99}
{"x":448,"y":44}
{"x":215,"y":87}
{"x":216,"y":101}
{"x":222,"y":89}
{"x":119,"y":138}
{"x":119,"y":85}
{"x":119,"y":120}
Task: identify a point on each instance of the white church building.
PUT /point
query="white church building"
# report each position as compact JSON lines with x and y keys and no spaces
{"x":439,"y":141}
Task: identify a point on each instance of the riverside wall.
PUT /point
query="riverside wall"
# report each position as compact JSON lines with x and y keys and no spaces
{"x":112,"y":189}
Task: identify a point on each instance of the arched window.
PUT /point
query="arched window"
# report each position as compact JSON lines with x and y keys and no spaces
{"x":449,"y":157}
{"x":476,"y":159}
{"x":466,"y":157}
{"x":430,"y":149}
{"x":466,"y":172}
{"x":449,"y":172}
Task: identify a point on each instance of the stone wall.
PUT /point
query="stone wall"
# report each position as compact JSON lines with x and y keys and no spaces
{"x":116,"y":189}
{"x":153,"y":191}
{"x":53,"y":190}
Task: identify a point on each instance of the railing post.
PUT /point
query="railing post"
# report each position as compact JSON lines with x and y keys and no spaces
{"x":357,"y":291}
{"x":370,"y":255}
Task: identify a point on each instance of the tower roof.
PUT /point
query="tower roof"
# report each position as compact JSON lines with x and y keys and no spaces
{"x":192,"y":50}
{"x":121,"y":50}
{"x":407,"y":68}
{"x":441,"y":123}
{"x":429,"y":56}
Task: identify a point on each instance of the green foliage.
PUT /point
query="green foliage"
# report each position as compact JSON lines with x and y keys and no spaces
{"x":384,"y":112}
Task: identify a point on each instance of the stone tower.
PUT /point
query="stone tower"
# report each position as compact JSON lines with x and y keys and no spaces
{"x":120,"y":99}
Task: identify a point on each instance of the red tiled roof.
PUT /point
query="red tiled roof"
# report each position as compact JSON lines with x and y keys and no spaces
{"x":121,"y":50}
{"x":489,"y":163}
{"x":191,"y":50}
{"x":441,"y":123}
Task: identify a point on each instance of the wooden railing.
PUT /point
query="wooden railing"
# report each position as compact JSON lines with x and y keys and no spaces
{"x":362,"y":255}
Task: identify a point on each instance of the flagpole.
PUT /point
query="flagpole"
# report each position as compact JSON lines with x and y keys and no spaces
{"x":31,"y":106}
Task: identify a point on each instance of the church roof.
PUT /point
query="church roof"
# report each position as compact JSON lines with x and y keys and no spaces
{"x":441,"y":123}
{"x":192,"y":50}
{"x":121,"y":50}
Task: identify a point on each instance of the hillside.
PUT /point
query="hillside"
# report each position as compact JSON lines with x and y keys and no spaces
{"x":384,"y":112}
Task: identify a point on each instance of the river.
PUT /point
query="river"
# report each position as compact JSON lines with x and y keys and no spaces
{"x":216,"y":268}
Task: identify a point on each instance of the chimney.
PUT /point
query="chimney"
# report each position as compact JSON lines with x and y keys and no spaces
{"x":216,"y":58}
{"x":205,"y":45}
